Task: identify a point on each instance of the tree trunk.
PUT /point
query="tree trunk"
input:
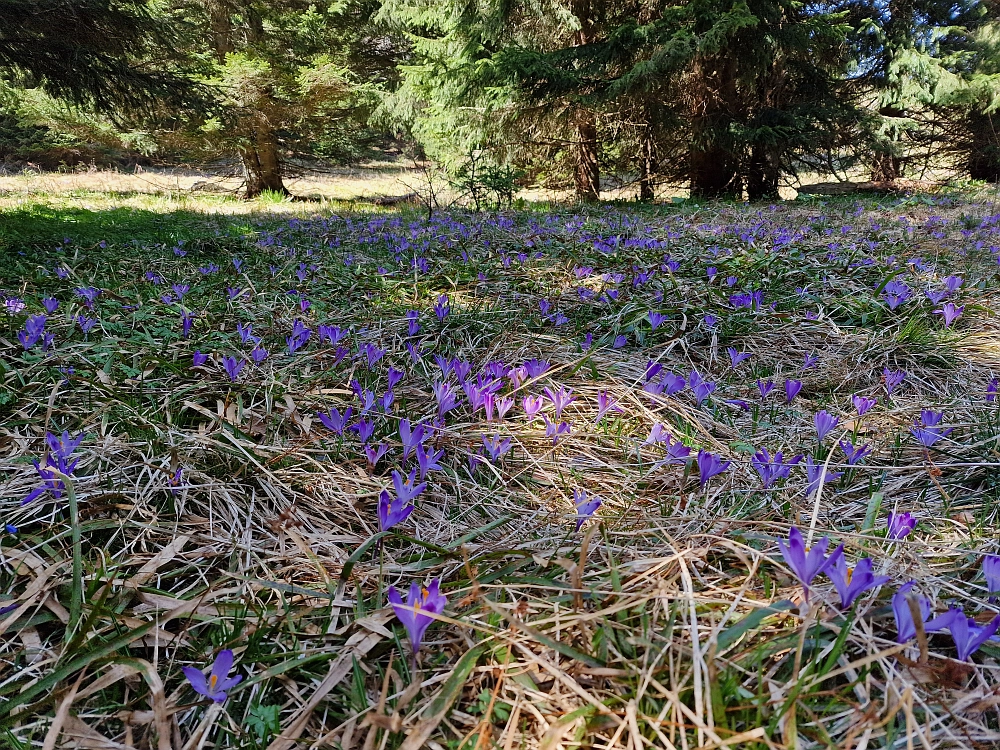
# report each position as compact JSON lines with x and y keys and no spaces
{"x":647,"y":166}
{"x":587,"y":171}
{"x":886,"y":162}
{"x":712,"y":172}
{"x":713,"y":169}
{"x":984,"y":155}
{"x":262,"y":162}
{"x":763,"y":173}
{"x":587,"y":174}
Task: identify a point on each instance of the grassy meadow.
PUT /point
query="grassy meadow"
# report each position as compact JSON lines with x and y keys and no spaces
{"x":240,"y":426}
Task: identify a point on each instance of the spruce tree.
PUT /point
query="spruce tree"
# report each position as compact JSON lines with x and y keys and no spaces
{"x":284,"y":73}
{"x":114,"y":55}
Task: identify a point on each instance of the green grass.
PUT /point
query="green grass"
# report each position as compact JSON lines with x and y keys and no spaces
{"x":669,"y":620}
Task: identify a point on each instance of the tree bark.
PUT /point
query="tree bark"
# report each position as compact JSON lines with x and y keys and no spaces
{"x":713,"y":170}
{"x":587,"y":170}
{"x":886,"y":163}
{"x":587,"y":174}
{"x":262,"y":162}
{"x":647,"y":166}
{"x":762,"y":173}
{"x":984,"y":155}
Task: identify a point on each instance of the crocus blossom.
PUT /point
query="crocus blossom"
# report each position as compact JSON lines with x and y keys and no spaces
{"x":850,"y":584}
{"x":710,"y":465}
{"x":991,"y":571}
{"x":806,"y":562}
{"x":824,"y":423}
{"x":391,"y":511}
{"x":217,"y":683}
{"x":585,"y":508}
{"x":900,"y":525}
{"x":413,"y":613}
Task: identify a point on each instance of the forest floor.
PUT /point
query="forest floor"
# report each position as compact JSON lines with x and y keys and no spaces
{"x":231,"y":390}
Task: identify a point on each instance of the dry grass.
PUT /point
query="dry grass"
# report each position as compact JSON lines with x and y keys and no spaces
{"x":670,"y":621}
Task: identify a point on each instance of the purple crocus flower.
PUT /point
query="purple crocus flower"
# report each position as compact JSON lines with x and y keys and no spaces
{"x":13,"y":305}
{"x":445,"y":397}
{"x":233,"y":367}
{"x":89,"y":295}
{"x":765,"y":388}
{"x":936,"y":295}
{"x":906,"y":629}
{"x":853,"y":453}
{"x":927,"y":432}
{"x":412,"y":613}
{"x":672,"y":384}
{"x":814,"y":472}
{"x":532,"y":406}
{"x":967,"y":634}
{"x":374,"y":453}
{"x":391,"y":512}
{"x":772,"y":469}
{"x":187,"y":320}
{"x":852,"y":583}
{"x":700,"y":387}
{"x":824,"y":422}
{"x":365,"y":429}
{"x":198,"y":359}
{"x":329,"y":333}
{"x":677,"y":453}
{"x":584,"y":508}
{"x":792,"y":388}
{"x":246,"y":333}
{"x":991,"y":389}
{"x":441,"y":309}
{"x":412,"y":326}
{"x":503,"y":405}
{"x":862,"y":403}
{"x":991,"y":571}
{"x":900,"y":525}
{"x":218,"y":681}
{"x":655,"y":319}
{"x":495,"y":447}
{"x":710,"y":321}
{"x":51,"y":304}
{"x":806,"y":563}
{"x":428,"y":460}
{"x":620,"y":341}
{"x":605,"y":404}
{"x":298,"y":338}
{"x":555,"y":431}
{"x":657,"y":435}
{"x":85,"y":323}
{"x":810,"y":361}
{"x":951,"y":312}
{"x":394,"y":376}
{"x":258,"y":355}
{"x":560,"y":399}
{"x":710,"y":465}
{"x":410,"y":437}
{"x":892,"y":379}
{"x":737,"y":357}
{"x":896,"y":293}
{"x":407,"y":487}
{"x":535,"y":368}
{"x":34,"y":330}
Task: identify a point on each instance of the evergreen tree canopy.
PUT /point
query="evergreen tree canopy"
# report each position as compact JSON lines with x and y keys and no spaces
{"x":114,"y":55}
